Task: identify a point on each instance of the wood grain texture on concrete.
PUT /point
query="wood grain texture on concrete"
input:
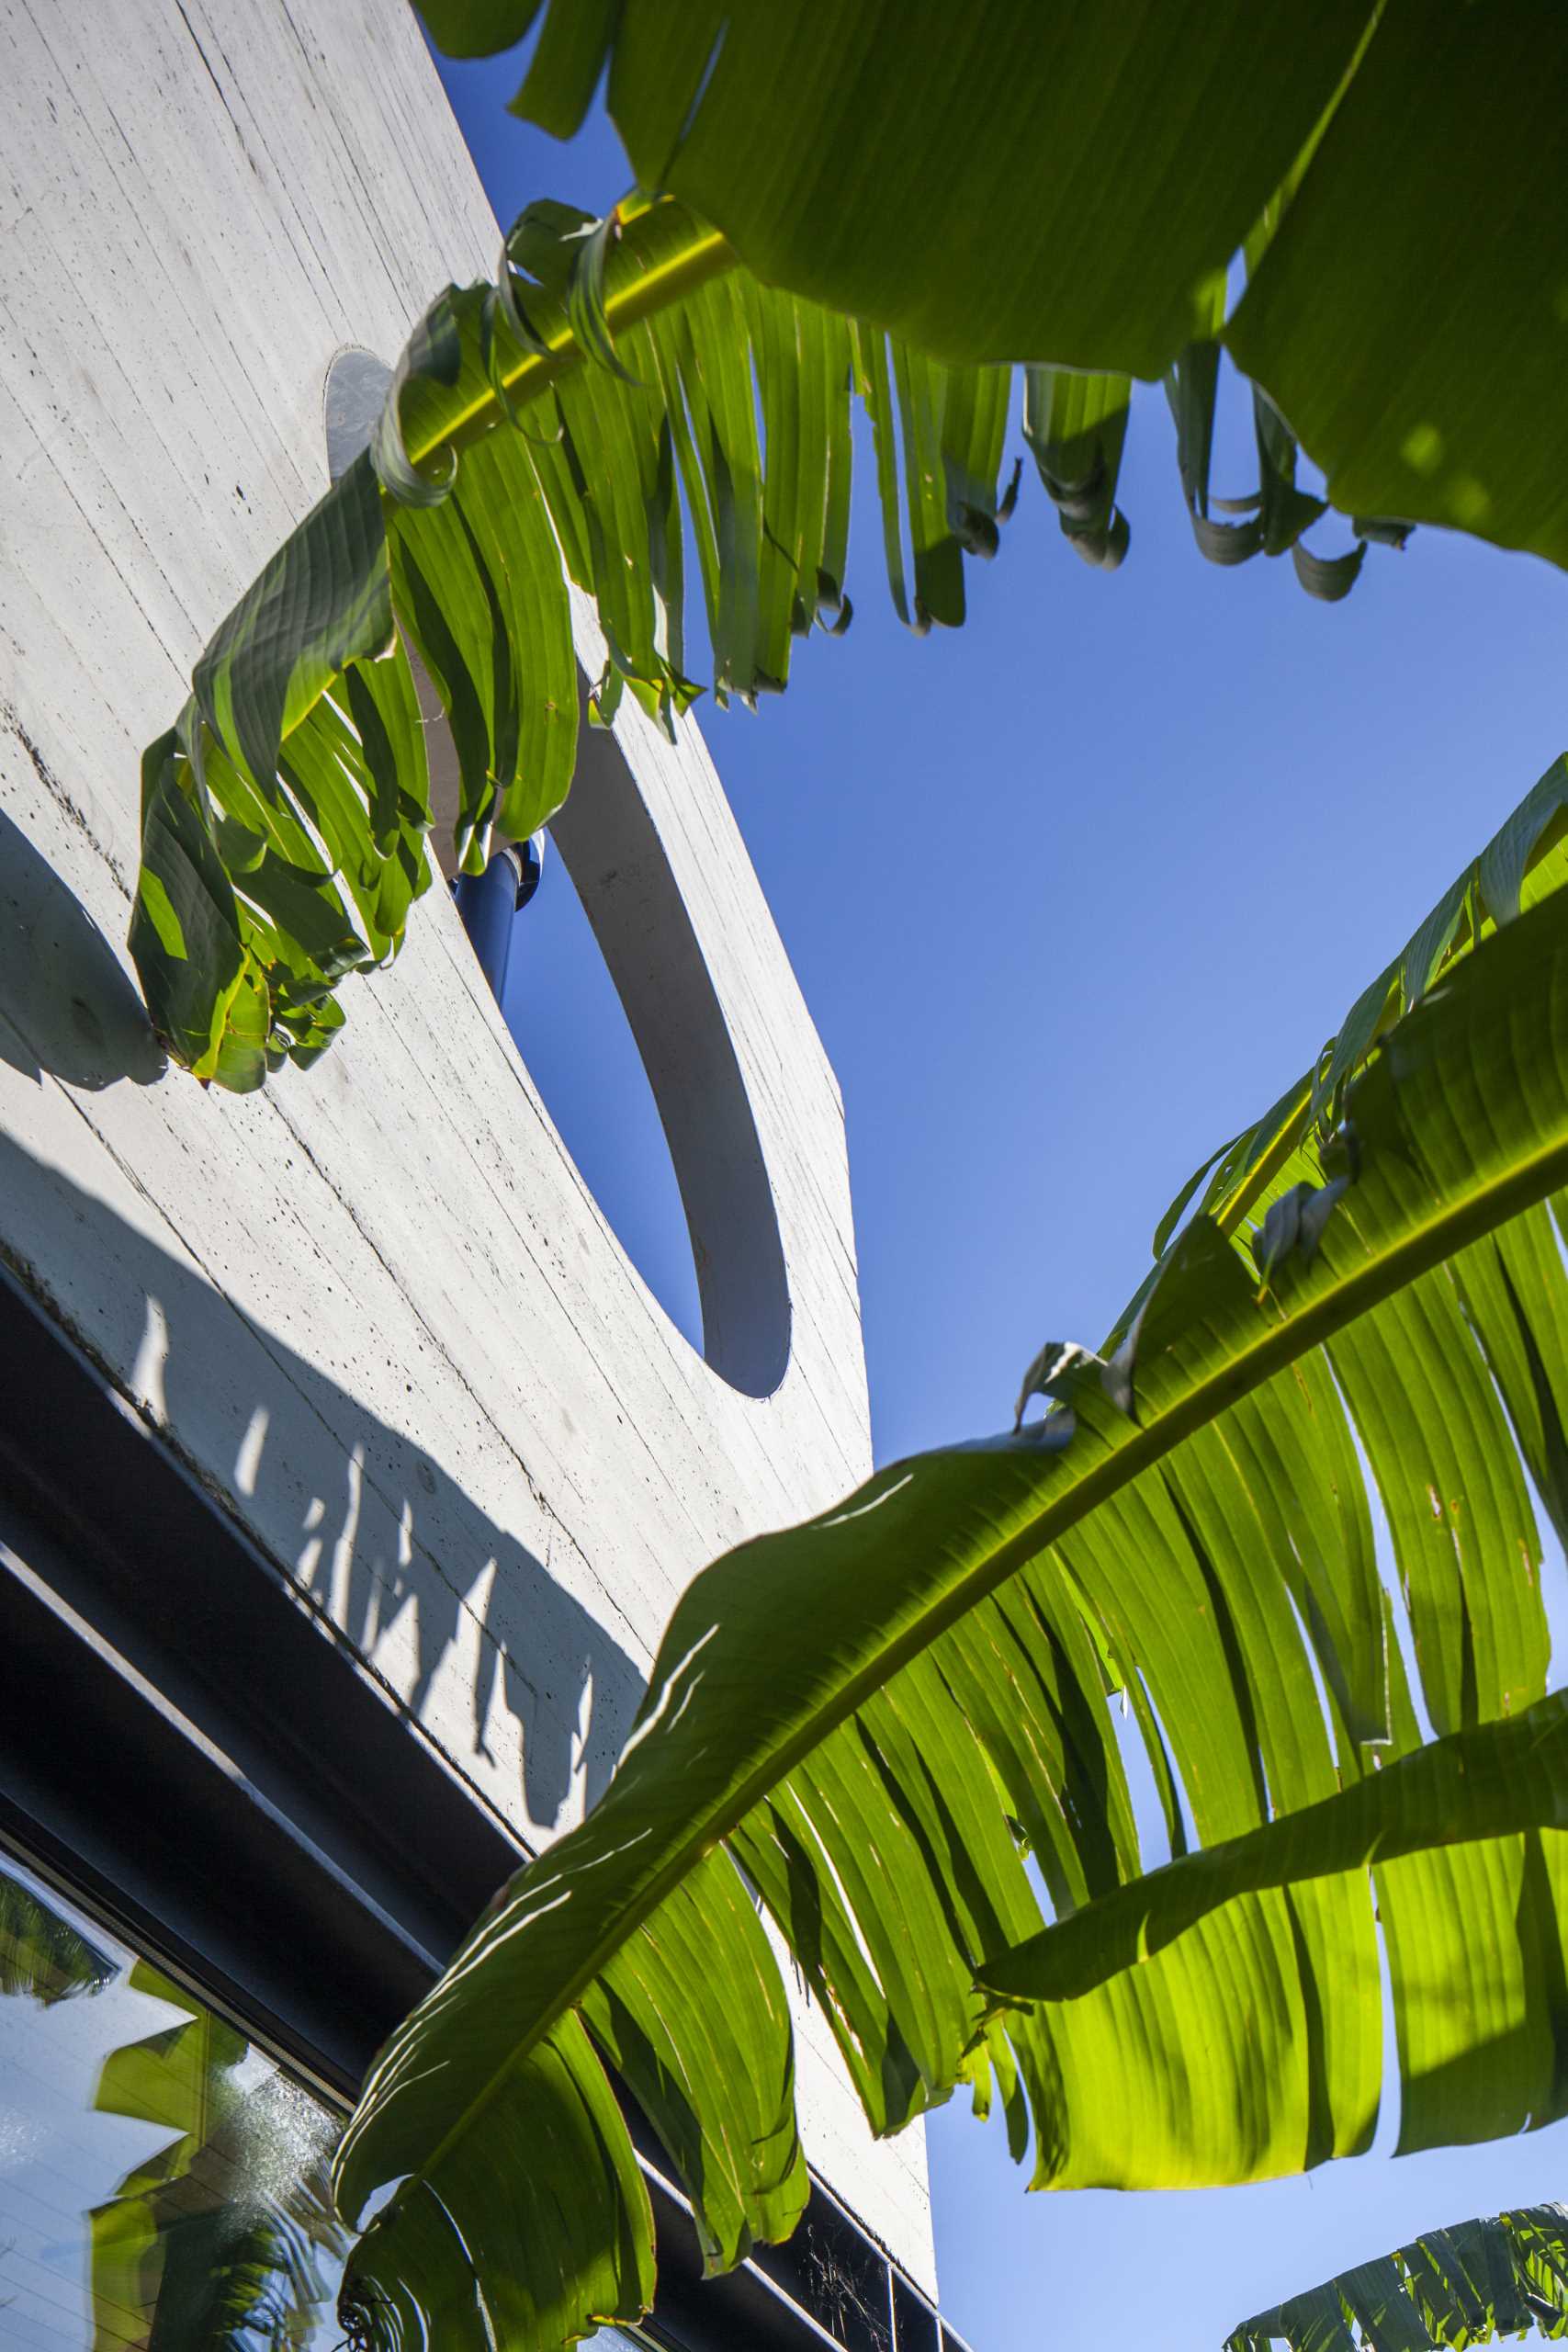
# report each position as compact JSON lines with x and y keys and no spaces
{"x":376,"y":1308}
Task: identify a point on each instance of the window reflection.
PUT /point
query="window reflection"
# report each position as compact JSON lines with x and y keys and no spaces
{"x":163,"y":2180}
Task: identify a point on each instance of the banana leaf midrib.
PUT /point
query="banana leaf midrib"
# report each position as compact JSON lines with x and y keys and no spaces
{"x":701,"y":255}
{"x":1486,"y":1204}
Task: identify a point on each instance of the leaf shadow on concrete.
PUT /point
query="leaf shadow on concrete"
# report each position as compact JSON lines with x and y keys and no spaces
{"x":462,"y":1618}
{"x":67,"y":1005}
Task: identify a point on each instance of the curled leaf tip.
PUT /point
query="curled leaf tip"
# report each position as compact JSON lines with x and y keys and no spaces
{"x":977,"y":533}
{"x":1296,"y":1222}
{"x":1053,"y":1372}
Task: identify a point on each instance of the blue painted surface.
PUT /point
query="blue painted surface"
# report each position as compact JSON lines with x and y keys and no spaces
{"x":1073,"y":894}
{"x":489,"y":905}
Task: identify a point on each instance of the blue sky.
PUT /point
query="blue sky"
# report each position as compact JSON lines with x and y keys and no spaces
{"x":1073,"y":894}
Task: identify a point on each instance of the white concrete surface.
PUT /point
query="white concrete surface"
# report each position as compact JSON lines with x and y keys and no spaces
{"x":375,"y":1307}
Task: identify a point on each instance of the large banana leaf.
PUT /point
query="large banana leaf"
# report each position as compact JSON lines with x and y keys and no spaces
{"x":1031,"y":180}
{"x":1096,"y":179}
{"x":890,"y":1728}
{"x":626,"y":401}
{"x":1470,"y":2283}
{"x":284,"y":816}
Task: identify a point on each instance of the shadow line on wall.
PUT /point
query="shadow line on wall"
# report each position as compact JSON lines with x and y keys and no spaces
{"x":397,"y":1555}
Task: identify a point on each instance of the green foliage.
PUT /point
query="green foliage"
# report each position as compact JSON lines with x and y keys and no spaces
{"x":194,"y":2252}
{"x":268,"y":873}
{"x":623,"y":402}
{"x":1496,"y":1780}
{"x":877,"y":1721}
{"x":1071,"y":186}
{"x":1032,"y":183}
{"x":1468,"y":2284}
{"x":1076,"y":427}
{"x":888,"y":1728}
{"x":284,"y":817}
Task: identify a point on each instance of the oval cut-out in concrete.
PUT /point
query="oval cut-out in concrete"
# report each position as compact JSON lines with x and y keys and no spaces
{"x":610,"y":846}
{"x":569,"y":1025}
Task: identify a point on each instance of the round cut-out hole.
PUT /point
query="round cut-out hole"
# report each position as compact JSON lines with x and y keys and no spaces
{"x":610,"y":844}
{"x":650,"y":1102}
{"x":562,"y":1007}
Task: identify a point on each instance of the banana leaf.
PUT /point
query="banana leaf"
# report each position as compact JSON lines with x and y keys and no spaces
{"x":1470,"y":2283}
{"x":1039,"y":182}
{"x":889,"y":1729}
{"x":623,"y":405}
{"x":723,"y":328}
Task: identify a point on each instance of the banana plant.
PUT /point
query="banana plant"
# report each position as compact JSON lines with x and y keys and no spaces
{"x":591,"y":415}
{"x":673,"y":385}
{"x":1036,"y":184}
{"x":1505,"y":2275}
{"x":596,"y":407}
{"x":890,"y":1730}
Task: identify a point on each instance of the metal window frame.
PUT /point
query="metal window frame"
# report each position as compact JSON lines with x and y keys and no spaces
{"x":131,"y":1754}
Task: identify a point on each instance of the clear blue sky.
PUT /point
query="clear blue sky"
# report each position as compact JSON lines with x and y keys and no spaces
{"x":1073,"y":894}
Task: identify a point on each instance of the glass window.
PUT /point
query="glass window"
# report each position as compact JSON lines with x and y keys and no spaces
{"x":163,"y":2180}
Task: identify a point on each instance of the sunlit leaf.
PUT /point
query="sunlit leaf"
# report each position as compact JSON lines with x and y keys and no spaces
{"x":1451,"y":2288}
{"x":880,"y":1713}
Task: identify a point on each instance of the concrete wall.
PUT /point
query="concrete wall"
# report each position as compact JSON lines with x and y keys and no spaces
{"x":375,"y":1307}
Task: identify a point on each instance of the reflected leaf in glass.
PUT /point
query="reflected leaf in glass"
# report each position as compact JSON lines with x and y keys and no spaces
{"x":42,"y":1956}
{"x":219,"y":2236}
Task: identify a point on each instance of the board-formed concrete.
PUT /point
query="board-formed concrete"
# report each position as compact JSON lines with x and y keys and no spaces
{"x":375,"y":1308}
